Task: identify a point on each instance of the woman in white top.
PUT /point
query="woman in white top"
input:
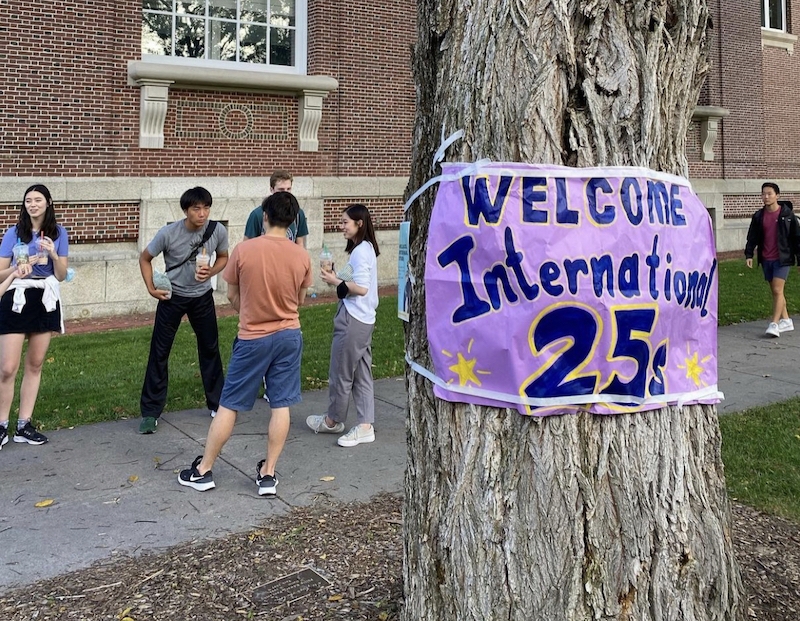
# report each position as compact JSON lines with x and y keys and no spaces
{"x":351,"y":350}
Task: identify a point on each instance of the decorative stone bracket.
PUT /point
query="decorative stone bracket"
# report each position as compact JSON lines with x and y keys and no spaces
{"x":155,"y":78}
{"x":152,"y":112}
{"x":709,"y":117}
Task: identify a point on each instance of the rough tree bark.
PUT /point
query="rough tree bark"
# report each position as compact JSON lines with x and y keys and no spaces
{"x":569,"y":517}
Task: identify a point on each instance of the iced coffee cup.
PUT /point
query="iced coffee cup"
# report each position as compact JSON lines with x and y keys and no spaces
{"x":202,"y":260}
{"x":326,"y":260}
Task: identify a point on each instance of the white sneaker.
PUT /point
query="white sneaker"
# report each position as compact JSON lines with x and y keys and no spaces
{"x":785,"y":325}
{"x":318,"y":424}
{"x":773,"y":329}
{"x":213,"y":413}
{"x":357,"y":436}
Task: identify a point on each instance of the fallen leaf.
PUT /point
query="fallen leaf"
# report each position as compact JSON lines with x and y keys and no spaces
{"x":44,"y":503}
{"x":335,"y":598}
{"x":326,"y":479}
{"x":133,"y":478}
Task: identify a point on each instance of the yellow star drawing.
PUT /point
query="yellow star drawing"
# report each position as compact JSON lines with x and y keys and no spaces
{"x":694,"y":367}
{"x":465,"y":370}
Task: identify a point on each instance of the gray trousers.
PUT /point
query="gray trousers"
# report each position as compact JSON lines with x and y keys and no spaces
{"x":351,"y":368}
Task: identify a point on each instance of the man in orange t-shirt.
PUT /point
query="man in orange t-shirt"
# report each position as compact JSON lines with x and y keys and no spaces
{"x":267,"y":277}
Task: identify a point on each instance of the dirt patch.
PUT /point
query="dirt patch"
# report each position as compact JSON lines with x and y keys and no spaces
{"x":358,"y":547}
{"x":731,"y":254}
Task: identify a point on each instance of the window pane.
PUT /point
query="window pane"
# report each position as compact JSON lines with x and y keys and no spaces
{"x":253,"y":44}
{"x":248,"y":31}
{"x":157,"y":5}
{"x":192,"y":7}
{"x":222,"y":8}
{"x":255,"y":11}
{"x":222,"y":42}
{"x":281,"y":47}
{"x":190,"y":37}
{"x":157,"y":34}
{"x":776,"y":14}
{"x":282,"y":13}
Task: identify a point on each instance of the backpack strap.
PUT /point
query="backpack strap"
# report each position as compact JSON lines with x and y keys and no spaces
{"x":212,"y":224}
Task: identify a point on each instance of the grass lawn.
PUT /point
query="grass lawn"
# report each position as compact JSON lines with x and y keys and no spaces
{"x":761,"y":453}
{"x":98,"y":376}
{"x":744,"y":294}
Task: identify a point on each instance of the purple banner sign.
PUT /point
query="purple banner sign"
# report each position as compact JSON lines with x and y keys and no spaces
{"x":551,"y":289}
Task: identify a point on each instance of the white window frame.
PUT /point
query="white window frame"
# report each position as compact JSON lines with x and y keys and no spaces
{"x":301,"y":50}
{"x":765,"y":5}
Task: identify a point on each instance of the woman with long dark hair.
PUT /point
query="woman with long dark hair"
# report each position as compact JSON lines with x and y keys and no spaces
{"x":351,"y":350}
{"x":31,"y":307}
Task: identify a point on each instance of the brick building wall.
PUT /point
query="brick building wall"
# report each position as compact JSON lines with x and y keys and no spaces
{"x":387,"y":213}
{"x":88,"y":223}
{"x":70,"y":113}
{"x":757,"y":80}
{"x":744,"y":205}
{"x":69,"y":110}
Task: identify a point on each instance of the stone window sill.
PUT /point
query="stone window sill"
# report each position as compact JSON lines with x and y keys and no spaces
{"x":777,"y":38}
{"x":155,"y":78}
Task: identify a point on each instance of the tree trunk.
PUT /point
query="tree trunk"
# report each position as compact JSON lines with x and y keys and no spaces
{"x":566,"y":517}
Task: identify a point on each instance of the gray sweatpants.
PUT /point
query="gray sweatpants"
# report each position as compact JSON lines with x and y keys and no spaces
{"x":351,"y":368}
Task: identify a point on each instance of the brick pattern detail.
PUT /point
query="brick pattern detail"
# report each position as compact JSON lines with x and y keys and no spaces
{"x":745,"y":205}
{"x":87,"y":223}
{"x":69,"y":111}
{"x":216,"y":120}
{"x":387,"y":213}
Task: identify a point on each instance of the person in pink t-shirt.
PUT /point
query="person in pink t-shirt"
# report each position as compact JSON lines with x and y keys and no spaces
{"x":774,"y":232}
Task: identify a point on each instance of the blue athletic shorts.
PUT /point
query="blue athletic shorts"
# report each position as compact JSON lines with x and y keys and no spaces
{"x":276,"y":357}
{"x":774,"y":269}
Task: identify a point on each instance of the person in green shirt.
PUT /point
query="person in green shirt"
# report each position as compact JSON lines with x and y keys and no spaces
{"x":280,"y":181}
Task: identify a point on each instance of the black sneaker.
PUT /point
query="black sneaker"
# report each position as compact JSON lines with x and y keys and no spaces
{"x":29,"y":434}
{"x":267,"y":484}
{"x":3,"y":436}
{"x":192,"y":478}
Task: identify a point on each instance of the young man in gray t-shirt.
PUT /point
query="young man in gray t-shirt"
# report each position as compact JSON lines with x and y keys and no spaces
{"x":181,"y":242}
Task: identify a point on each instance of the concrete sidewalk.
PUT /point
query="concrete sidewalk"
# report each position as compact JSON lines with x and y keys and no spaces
{"x":115,"y":492}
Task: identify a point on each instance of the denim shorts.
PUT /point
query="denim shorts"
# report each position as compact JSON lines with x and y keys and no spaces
{"x":774,"y":269}
{"x":276,"y":357}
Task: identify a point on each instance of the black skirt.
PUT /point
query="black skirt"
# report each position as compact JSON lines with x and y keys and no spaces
{"x":33,"y":318}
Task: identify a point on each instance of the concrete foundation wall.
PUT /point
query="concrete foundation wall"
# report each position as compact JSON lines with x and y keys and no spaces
{"x":107,"y":278}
